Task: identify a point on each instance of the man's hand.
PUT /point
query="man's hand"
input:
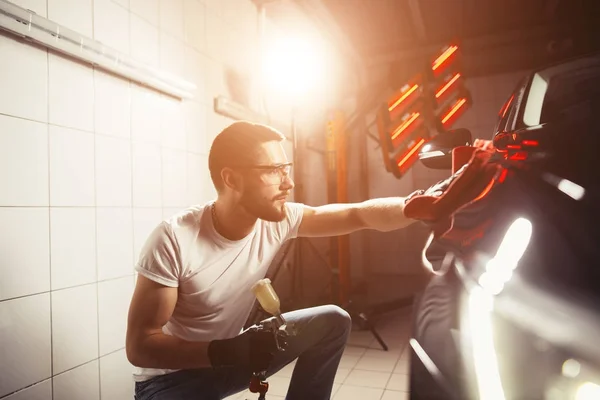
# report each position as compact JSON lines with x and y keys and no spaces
{"x":437,"y":205}
{"x":253,"y":349}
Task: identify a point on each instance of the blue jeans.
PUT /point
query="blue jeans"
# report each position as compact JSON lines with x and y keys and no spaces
{"x":321,"y":337}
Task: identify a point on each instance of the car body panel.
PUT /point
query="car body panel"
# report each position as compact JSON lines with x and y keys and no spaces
{"x":517,"y":333}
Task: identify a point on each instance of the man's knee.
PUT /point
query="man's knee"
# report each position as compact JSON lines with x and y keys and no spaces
{"x":336,"y":318}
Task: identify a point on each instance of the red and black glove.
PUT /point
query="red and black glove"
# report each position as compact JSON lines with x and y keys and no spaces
{"x":253,"y":349}
{"x":472,"y":174}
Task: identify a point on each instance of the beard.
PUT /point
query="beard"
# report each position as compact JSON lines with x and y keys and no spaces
{"x":263,"y":208}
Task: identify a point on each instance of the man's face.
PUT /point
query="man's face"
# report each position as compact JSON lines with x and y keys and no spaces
{"x":267,"y":183}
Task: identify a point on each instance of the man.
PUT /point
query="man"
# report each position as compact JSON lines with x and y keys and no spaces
{"x":195,"y":273}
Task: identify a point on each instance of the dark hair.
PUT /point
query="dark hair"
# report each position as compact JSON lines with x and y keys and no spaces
{"x":236,"y":145}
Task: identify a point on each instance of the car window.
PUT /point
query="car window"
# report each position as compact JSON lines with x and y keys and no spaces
{"x":508,"y":112}
{"x":570,"y":92}
{"x":563,"y":89}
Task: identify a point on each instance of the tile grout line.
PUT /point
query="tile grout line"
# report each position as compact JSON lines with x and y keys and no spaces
{"x":131,"y":89}
{"x":63,"y":372}
{"x":66,"y":288}
{"x":49,"y":217}
{"x":96,"y":211}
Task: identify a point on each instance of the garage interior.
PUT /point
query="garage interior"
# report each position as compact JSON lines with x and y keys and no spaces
{"x":92,"y":158}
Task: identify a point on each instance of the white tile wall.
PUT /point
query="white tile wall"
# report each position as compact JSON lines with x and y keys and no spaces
{"x":39,"y":391}
{"x":90,"y":163}
{"x":25,"y":266}
{"x":174,"y":177}
{"x":196,"y":178}
{"x":114,"y":242}
{"x":195,"y":71}
{"x":113,"y":172}
{"x":195,"y":24}
{"x":194,"y":115}
{"x":122,"y":3}
{"x":25,"y":338}
{"x":172,"y":127}
{"x":144,"y":221}
{"x":71,"y":93}
{"x":74,"y":340}
{"x":114,"y":376}
{"x":73,"y":14}
{"x":144,"y":41}
{"x":72,"y":163}
{"x":147,"y":182}
{"x":145,"y":114}
{"x":79,"y":383}
{"x":113,"y":105}
{"x":27,"y":61}
{"x":171,"y":53}
{"x":37,"y":6}
{"x":23,"y":156}
{"x":147,"y":9}
{"x":111,"y":25}
{"x":72,"y":246}
{"x":171,"y":18}
{"x":113,"y":303}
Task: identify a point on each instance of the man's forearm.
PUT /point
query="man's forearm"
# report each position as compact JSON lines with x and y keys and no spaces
{"x":384,"y":214}
{"x":168,"y":352}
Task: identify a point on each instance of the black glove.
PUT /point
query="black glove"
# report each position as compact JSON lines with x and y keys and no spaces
{"x":255,"y":349}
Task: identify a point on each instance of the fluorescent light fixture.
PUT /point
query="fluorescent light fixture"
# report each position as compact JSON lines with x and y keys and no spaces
{"x":37,"y":29}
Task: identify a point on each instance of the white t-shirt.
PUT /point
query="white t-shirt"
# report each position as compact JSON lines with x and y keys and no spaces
{"x":213,"y":275}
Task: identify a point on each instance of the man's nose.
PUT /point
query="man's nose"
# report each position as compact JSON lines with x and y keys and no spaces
{"x":287,"y":183}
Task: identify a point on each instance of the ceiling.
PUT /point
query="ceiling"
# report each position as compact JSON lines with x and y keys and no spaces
{"x":495,"y":36}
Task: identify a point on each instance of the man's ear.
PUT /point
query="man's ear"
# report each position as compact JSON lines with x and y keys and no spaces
{"x":232,"y":179}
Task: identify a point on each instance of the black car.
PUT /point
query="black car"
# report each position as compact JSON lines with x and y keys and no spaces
{"x":512,"y":310}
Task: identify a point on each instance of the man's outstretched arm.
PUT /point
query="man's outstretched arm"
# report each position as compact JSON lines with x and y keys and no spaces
{"x":385,"y":214}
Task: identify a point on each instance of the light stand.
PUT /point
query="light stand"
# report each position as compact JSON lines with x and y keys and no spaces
{"x":358,"y":314}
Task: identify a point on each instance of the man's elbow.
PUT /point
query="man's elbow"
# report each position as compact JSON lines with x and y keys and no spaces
{"x":133,"y":352}
{"x":358,"y":220}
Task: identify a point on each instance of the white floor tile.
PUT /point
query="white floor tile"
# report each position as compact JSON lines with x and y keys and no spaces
{"x":347,"y":392}
{"x":286,"y":372}
{"x":361,"y":338}
{"x":376,"y":364}
{"x":348,"y":362}
{"x":372,"y":379}
{"x":355,"y":351}
{"x":393,"y":395}
{"x":341,"y":375}
{"x":278,"y":386}
{"x":382,"y":354}
{"x":398,"y":382}
{"x":403,"y":366}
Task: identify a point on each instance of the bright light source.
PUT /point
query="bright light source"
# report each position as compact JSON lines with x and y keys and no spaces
{"x":571,"y":368}
{"x":293,"y":66}
{"x":499,"y":269}
{"x":588,"y":391}
{"x":571,"y":189}
{"x":514,"y":243}
{"x":480,"y":307}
